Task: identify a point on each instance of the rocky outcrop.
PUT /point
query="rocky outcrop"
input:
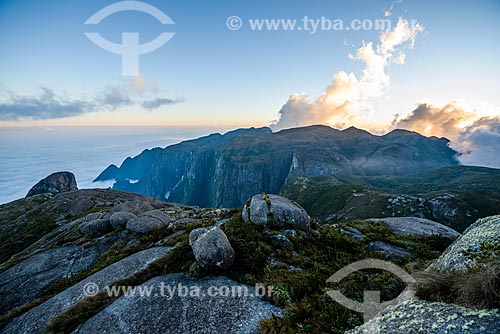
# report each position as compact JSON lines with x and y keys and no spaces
{"x":211,"y":248}
{"x":416,"y":316}
{"x":463,"y":253}
{"x":149,"y":221}
{"x":390,"y":252}
{"x":31,"y":277}
{"x":419,"y":227}
{"x":54,"y":183}
{"x":281,"y":210}
{"x":435,"y":318}
{"x":352,"y":232}
{"x":36,"y":319}
{"x":193,"y":311}
{"x":283,"y":240}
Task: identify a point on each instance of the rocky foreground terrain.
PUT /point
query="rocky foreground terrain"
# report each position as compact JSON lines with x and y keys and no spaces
{"x":58,"y":242}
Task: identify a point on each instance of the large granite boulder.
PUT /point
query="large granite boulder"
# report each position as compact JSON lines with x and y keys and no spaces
{"x":134,"y":207}
{"x":196,"y":309}
{"x":415,"y":316}
{"x":149,"y":221}
{"x":54,"y":183}
{"x":120,"y":219}
{"x":211,"y":248}
{"x":95,"y":228}
{"x":463,"y":253}
{"x":415,"y":226}
{"x":282,"y":210}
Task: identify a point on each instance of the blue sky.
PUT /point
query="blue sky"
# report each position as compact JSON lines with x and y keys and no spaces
{"x":242,"y":78}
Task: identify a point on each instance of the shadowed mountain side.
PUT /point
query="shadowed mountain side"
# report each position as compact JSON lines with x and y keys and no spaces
{"x":224,"y":170}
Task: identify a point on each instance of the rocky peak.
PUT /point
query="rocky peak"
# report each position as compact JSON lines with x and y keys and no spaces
{"x":54,"y":183}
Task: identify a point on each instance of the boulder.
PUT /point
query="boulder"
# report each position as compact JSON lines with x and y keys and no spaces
{"x":149,"y":221}
{"x":195,"y":309}
{"x":211,"y":248}
{"x":79,"y":206}
{"x":390,"y":252}
{"x":461,"y":255}
{"x":92,"y":216}
{"x":120,"y":219}
{"x":415,"y":316}
{"x":419,"y":227}
{"x":135,"y":207}
{"x":282,"y":210}
{"x":54,"y":183}
{"x":95,"y":228}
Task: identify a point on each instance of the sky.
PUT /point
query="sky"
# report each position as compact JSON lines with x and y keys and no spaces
{"x":436,"y":61}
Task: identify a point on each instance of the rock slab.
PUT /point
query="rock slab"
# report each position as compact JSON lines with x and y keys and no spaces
{"x":194,"y":313}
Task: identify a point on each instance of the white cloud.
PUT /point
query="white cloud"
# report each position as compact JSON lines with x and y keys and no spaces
{"x":48,"y":105}
{"x":347,"y":99}
{"x":474,"y":136}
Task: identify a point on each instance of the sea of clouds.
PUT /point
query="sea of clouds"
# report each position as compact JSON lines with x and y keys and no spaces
{"x":28,"y":154}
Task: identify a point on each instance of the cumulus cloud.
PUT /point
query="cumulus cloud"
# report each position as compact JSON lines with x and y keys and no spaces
{"x":433,"y":120}
{"x":347,"y":98}
{"x":475,"y":137}
{"x":48,"y":104}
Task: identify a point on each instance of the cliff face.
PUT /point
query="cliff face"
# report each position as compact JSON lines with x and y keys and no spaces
{"x":225,"y":170}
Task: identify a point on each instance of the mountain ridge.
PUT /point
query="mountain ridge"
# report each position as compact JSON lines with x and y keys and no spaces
{"x":223,"y":170}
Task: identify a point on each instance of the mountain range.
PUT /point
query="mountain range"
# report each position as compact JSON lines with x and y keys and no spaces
{"x":225,"y":170}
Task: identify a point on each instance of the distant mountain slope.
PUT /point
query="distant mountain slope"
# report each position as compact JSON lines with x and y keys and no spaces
{"x":455,"y":177}
{"x":455,"y":196}
{"x":224,"y":170}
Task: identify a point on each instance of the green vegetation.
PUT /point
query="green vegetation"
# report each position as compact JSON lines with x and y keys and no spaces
{"x":455,"y":196}
{"x":321,"y":196}
{"x":446,"y":178}
{"x":23,"y":222}
{"x":302,"y":291}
